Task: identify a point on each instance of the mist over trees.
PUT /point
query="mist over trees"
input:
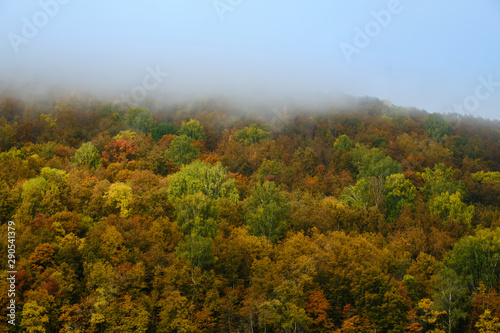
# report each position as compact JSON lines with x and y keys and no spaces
{"x":201,"y":217}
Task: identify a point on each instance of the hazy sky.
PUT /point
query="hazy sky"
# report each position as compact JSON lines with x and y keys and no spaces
{"x":432,"y":55}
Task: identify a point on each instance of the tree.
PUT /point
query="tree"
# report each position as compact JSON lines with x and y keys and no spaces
{"x":317,"y":306}
{"x":488,"y":323}
{"x":439,"y":180}
{"x":139,"y":119}
{"x":34,"y":317}
{"x":423,"y":269}
{"x":252,"y":134}
{"x":266,"y":212}
{"x":175,"y":314}
{"x":343,"y":142}
{"x":87,"y":156}
{"x":475,"y":259}
{"x":198,"y":176}
{"x":164,"y":129}
{"x":398,"y":192}
{"x":119,"y":151}
{"x":43,"y":257}
{"x":193,"y":130}
{"x":366,"y":193}
{"x":181,"y":150}
{"x":46,"y":194}
{"x":487,"y":177}
{"x":9,"y":200}
{"x":285,"y":316}
{"x":451,"y":297}
{"x":449,"y":207}
{"x":195,"y":191}
{"x":426,"y":316}
{"x":437,"y":127}
{"x":373,"y":163}
{"x":198,"y":250}
{"x":484,"y":300}
{"x":120,"y":196}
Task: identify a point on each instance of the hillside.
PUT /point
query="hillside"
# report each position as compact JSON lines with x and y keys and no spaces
{"x":202,"y":218}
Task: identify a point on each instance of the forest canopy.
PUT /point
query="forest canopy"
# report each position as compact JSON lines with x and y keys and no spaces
{"x":200,"y":218}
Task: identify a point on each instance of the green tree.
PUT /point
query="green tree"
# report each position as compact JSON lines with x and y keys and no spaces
{"x":198,"y":176}
{"x":193,"y":130}
{"x":45,"y":194}
{"x":181,"y":150}
{"x":32,"y":195}
{"x":266,"y":212}
{"x":437,"y":127}
{"x":366,"y":193}
{"x":195,"y":191}
{"x":475,"y":259}
{"x":373,"y":163}
{"x":164,"y":129}
{"x":197,"y":249}
{"x":343,"y":142}
{"x":439,"y":180}
{"x":487,"y":177}
{"x":87,"y":156}
{"x":139,"y":119}
{"x":451,"y":297}
{"x":449,"y":207}
{"x":252,"y":134}
{"x":196,"y":212}
{"x":286,"y":317}
{"x":398,"y":192}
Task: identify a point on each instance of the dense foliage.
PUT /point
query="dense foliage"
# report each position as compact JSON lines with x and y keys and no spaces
{"x":200,"y":219}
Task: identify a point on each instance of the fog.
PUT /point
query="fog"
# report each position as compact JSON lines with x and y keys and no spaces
{"x":441,"y":57}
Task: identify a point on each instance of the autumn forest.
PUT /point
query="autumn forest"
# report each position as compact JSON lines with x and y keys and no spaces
{"x":362,"y":217}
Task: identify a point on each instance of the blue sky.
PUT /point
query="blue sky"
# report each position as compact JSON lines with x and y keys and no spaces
{"x":432,"y":55}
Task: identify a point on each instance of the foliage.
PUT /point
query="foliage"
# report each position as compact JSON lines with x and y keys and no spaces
{"x":87,"y":156}
{"x":34,"y":317}
{"x":398,"y":192}
{"x":198,"y":176}
{"x":224,"y":225}
{"x":439,"y":181}
{"x":451,"y":298}
{"x":266,"y":212}
{"x":119,"y":151}
{"x":139,"y":119}
{"x":449,"y":207}
{"x":252,"y":134}
{"x":437,"y":127}
{"x":373,"y":163}
{"x":487,"y":177}
{"x":343,"y":142}
{"x":164,"y":129}
{"x":366,"y":193}
{"x":192,"y":129}
{"x":120,"y":196}
{"x":475,"y":259}
{"x":181,"y":150}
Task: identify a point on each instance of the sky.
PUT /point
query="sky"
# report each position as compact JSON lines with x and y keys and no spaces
{"x":440,"y":56}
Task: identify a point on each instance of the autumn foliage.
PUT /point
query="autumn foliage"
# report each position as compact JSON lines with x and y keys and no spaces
{"x":200,"y":219}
